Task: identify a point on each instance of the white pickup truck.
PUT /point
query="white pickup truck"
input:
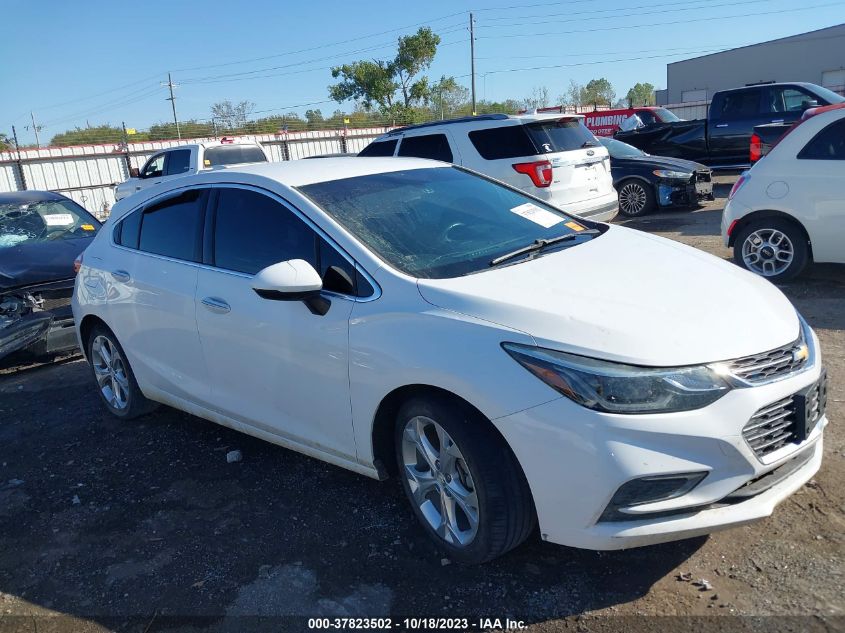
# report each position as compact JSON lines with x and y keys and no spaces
{"x":175,"y":162}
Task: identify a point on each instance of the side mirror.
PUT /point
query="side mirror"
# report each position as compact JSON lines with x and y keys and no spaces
{"x":293,"y":280}
{"x":134,"y":172}
{"x":809,"y":103}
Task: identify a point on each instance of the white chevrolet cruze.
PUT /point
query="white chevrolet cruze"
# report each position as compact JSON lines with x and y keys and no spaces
{"x":403,"y":316}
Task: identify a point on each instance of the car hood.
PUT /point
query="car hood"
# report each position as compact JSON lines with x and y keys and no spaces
{"x":630,"y":297}
{"x":660,"y":162}
{"x":39,"y":262}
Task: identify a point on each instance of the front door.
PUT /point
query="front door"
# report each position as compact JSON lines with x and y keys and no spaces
{"x":272,"y":364}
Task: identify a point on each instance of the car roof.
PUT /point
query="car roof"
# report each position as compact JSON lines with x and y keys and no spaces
{"x":485,"y":121}
{"x":28,"y":197}
{"x":803,"y":84}
{"x":297,"y":173}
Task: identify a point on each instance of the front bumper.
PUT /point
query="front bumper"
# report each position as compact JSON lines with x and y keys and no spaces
{"x":43,"y":332}
{"x":677,"y":193}
{"x":575,"y":460}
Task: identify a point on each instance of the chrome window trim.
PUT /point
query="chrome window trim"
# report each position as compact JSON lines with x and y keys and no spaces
{"x":274,"y":196}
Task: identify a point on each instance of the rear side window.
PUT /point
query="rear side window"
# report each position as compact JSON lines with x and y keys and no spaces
{"x":829,"y":144}
{"x":433,"y":146}
{"x":253,"y":231}
{"x":561,"y":135}
{"x":742,"y":104}
{"x":232,"y":155}
{"x":381,"y":148}
{"x":178,"y":162}
{"x":128,"y":231}
{"x":174,"y":227}
{"x":507,"y":141}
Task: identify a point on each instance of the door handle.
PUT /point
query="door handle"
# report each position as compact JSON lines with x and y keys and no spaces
{"x":120,"y":275}
{"x":722,"y":125}
{"x":215,"y":304}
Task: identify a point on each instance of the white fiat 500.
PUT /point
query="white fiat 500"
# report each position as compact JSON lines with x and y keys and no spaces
{"x":406,"y":317}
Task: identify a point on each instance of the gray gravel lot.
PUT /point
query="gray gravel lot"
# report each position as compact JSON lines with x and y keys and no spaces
{"x":144,"y":526}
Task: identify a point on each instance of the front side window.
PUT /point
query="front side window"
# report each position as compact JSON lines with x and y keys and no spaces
{"x":173,"y":227}
{"x":785,"y":99}
{"x":380,"y":148}
{"x":829,"y":144}
{"x":432,"y":146}
{"x":178,"y":162}
{"x":253,"y":231}
{"x":646,"y":116}
{"x":154,"y":167}
{"x":43,"y":221}
{"x":439,"y":222}
{"x":667,"y":116}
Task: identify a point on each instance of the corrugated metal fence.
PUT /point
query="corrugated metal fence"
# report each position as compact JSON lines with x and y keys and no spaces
{"x":87,"y":173}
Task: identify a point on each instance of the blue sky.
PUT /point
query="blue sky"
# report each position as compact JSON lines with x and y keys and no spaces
{"x":103,"y":61}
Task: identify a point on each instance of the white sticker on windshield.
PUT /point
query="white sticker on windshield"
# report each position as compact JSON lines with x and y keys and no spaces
{"x":537,"y":215}
{"x":58,"y":219}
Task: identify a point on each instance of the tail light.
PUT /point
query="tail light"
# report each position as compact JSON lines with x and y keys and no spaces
{"x":738,"y":185}
{"x":539,"y":171}
{"x":77,"y":263}
{"x":756,"y":152}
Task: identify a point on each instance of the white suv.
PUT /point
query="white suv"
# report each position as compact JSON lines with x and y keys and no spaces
{"x":553,"y":157}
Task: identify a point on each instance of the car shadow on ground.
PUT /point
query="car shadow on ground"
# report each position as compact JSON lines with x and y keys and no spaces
{"x":123,"y":523}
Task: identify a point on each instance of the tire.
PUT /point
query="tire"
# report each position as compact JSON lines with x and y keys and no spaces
{"x":116,"y":383}
{"x":779,"y":245}
{"x":636,"y":198}
{"x":478,"y":471}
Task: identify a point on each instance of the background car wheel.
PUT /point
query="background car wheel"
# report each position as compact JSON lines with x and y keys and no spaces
{"x":464,"y":483}
{"x":775,"y":248}
{"x":115,"y":380}
{"x":636,"y":198}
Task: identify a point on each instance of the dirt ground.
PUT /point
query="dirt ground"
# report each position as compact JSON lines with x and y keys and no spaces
{"x":144,"y":526}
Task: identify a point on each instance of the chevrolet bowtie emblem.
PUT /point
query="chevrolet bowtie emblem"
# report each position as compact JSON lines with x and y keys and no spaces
{"x":800,"y":353}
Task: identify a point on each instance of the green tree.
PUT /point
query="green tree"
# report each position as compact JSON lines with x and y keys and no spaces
{"x":375,"y":84}
{"x":5,"y":142}
{"x":539,"y":98}
{"x":231,"y":116}
{"x":314,"y":118}
{"x":573,"y":95}
{"x":598,"y":91}
{"x":448,"y":97}
{"x":641,"y":94}
{"x":104,"y":133}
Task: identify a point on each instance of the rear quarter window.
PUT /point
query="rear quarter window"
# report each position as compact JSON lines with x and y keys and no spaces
{"x":432,"y":146}
{"x":379,"y":148}
{"x":506,"y":141}
{"x":560,"y":135}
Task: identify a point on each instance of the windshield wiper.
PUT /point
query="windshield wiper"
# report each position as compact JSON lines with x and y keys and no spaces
{"x":540,"y":244}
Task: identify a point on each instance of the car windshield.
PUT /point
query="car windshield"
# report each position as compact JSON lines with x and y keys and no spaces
{"x":440,"y":222}
{"x":667,"y":116}
{"x":828,"y":95}
{"x":560,"y":135}
{"x":43,"y":221}
{"x":233,"y":155}
{"x":618,"y":149}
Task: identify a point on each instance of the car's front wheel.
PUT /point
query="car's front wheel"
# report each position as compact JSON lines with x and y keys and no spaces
{"x":462,"y":480}
{"x":775,"y":248}
{"x":636,"y":198}
{"x":115,"y":380}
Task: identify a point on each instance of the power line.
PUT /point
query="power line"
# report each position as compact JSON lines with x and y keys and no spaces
{"x":544,"y":16}
{"x":652,"y":24}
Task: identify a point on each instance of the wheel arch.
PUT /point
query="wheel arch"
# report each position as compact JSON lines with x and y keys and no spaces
{"x":764,"y":214}
{"x":384,"y":456}
{"x":88,"y":323}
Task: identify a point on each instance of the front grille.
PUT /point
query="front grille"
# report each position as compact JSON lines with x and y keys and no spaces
{"x":772,"y":364}
{"x":771,"y":428}
{"x":55,"y":303}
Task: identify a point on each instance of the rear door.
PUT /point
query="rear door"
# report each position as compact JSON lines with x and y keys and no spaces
{"x":731,"y":122}
{"x":579,"y":166}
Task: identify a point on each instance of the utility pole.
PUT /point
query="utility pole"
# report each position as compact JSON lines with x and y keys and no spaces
{"x":19,"y":161}
{"x":472,"y":58}
{"x":172,"y":101}
{"x":35,"y":129}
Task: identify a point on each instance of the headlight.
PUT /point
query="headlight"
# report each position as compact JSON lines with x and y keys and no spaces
{"x":618,"y":388}
{"x":672,"y":175}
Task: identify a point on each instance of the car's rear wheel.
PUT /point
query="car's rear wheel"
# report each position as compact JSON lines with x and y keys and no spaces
{"x":462,"y":480}
{"x":636,"y":198}
{"x":115,"y":381}
{"x":774,"y":248}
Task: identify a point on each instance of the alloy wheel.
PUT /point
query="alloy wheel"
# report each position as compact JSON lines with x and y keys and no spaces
{"x":110,"y":371}
{"x":767,"y":252}
{"x":632,"y":198}
{"x":440,"y":482}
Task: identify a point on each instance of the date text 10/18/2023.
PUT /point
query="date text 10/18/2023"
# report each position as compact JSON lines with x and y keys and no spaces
{"x":417,"y":624}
